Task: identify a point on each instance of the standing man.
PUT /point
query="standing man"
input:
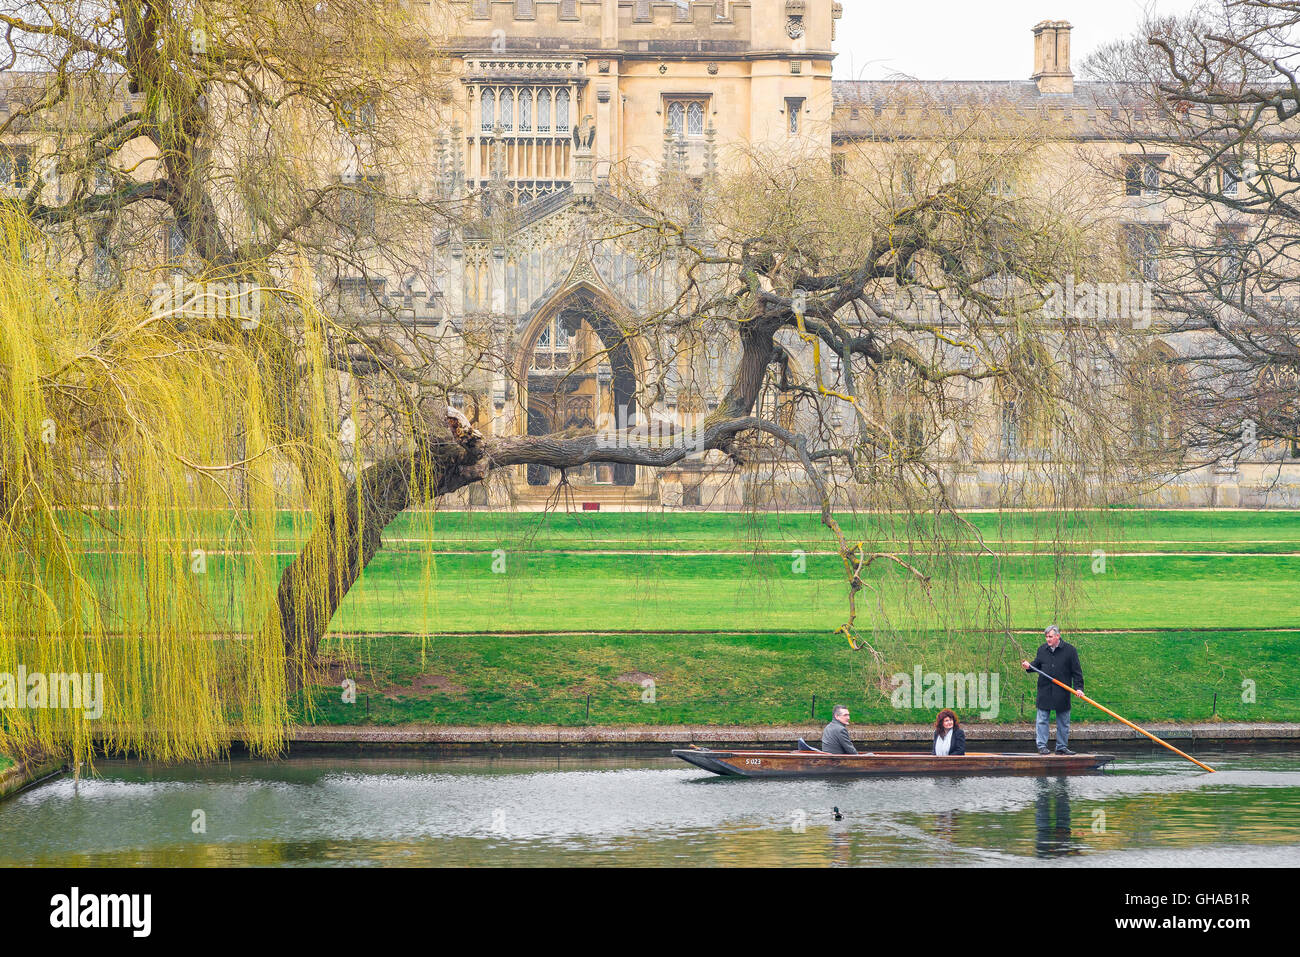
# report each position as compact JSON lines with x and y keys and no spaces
{"x":1060,"y":660}
{"x":835,"y":736}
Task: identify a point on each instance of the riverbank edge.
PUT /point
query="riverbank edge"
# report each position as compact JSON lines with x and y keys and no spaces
{"x":603,"y":737}
{"x":655,"y":739}
{"x":25,"y":774}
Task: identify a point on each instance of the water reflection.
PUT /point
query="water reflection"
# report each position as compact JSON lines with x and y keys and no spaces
{"x":643,"y":811}
{"x":1052,"y":834}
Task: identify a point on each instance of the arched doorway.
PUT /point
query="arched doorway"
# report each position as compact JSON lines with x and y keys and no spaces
{"x":580,"y":373}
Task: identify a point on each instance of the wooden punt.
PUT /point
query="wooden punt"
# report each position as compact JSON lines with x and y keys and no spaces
{"x":778,"y":764}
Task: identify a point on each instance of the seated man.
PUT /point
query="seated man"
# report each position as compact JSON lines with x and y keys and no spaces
{"x":835,"y":736}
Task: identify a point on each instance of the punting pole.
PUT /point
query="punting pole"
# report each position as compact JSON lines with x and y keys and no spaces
{"x":1080,"y":694}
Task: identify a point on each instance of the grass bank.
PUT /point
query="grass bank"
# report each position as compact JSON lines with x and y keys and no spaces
{"x":1218,"y":587}
{"x":771,"y":679}
{"x":534,"y":592}
{"x":538,"y":572}
{"x":1123,"y":529}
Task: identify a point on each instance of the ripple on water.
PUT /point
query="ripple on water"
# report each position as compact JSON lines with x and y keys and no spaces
{"x":533,"y":811}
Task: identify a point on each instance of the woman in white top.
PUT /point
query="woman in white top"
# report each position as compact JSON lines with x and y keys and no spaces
{"x":949,"y":738}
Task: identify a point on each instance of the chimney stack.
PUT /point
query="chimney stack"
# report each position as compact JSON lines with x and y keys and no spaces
{"x":1052,"y":57}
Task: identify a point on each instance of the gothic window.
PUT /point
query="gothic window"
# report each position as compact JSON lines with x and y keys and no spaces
{"x":1231,"y":178}
{"x":555,"y":337}
{"x":544,"y":111}
{"x":1232,"y":253}
{"x":14,"y":169}
{"x":642,"y":11}
{"x":552,"y":348}
{"x":357,"y":206}
{"x":695,"y":202}
{"x":685,"y":117}
{"x":568,"y":9}
{"x":1002,"y":186}
{"x":676,"y":116}
{"x":1025,"y":420}
{"x":793,"y":109}
{"x":507,"y":110}
{"x":1000,"y":182}
{"x":175,"y":242}
{"x":523,"y":9}
{"x":695,"y":119}
{"x":562,"y":111}
{"x":527,"y":109}
{"x":479,"y":9}
{"x":900,"y":402}
{"x":1010,"y":429}
{"x":358,"y":113}
{"x":908,"y":177}
{"x":103,"y":264}
{"x":1156,"y":393}
{"x":1142,"y":175}
{"x":1143,"y":247}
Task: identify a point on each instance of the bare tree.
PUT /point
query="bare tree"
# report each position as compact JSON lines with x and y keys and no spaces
{"x":1210,"y":104}
{"x":871,"y":322}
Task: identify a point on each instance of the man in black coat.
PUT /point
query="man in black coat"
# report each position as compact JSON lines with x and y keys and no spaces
{"x":835,"y":737}
{"x":1060,"y":660}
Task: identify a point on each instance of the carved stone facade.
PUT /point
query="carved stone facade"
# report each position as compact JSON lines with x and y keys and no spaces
{"x":671,"y":85}
{"x":554,"y":97}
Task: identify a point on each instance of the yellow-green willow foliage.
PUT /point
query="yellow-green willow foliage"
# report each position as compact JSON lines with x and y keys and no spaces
{"x":157,"y":471}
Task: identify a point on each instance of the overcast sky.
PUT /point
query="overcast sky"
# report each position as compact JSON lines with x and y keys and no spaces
{"x":973,"y":40}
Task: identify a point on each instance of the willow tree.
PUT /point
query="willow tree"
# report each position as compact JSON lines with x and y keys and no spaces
{"x":171,"y":157}
{"x":846,"y":318}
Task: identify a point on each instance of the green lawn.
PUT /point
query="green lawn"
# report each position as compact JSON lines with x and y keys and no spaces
{"x":585,"y":592}
{"x":765,"y":622}
{"x":537,"y":572}
{"x":739,"y":593}
{"x":782,"y":651}
{"x":771,"y":679}
{"x":1120,"y":529}
{"x":1124,"y":529}
{"x":5,"y":762}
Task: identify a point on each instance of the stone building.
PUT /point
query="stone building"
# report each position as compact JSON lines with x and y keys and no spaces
{"x":671,"y":85}
{"x":556,"y":99}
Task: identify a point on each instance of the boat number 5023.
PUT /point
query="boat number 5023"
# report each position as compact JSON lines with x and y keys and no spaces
{"x":753,"y":760}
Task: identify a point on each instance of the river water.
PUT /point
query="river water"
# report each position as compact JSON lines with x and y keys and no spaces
{"x":495,"y":811}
